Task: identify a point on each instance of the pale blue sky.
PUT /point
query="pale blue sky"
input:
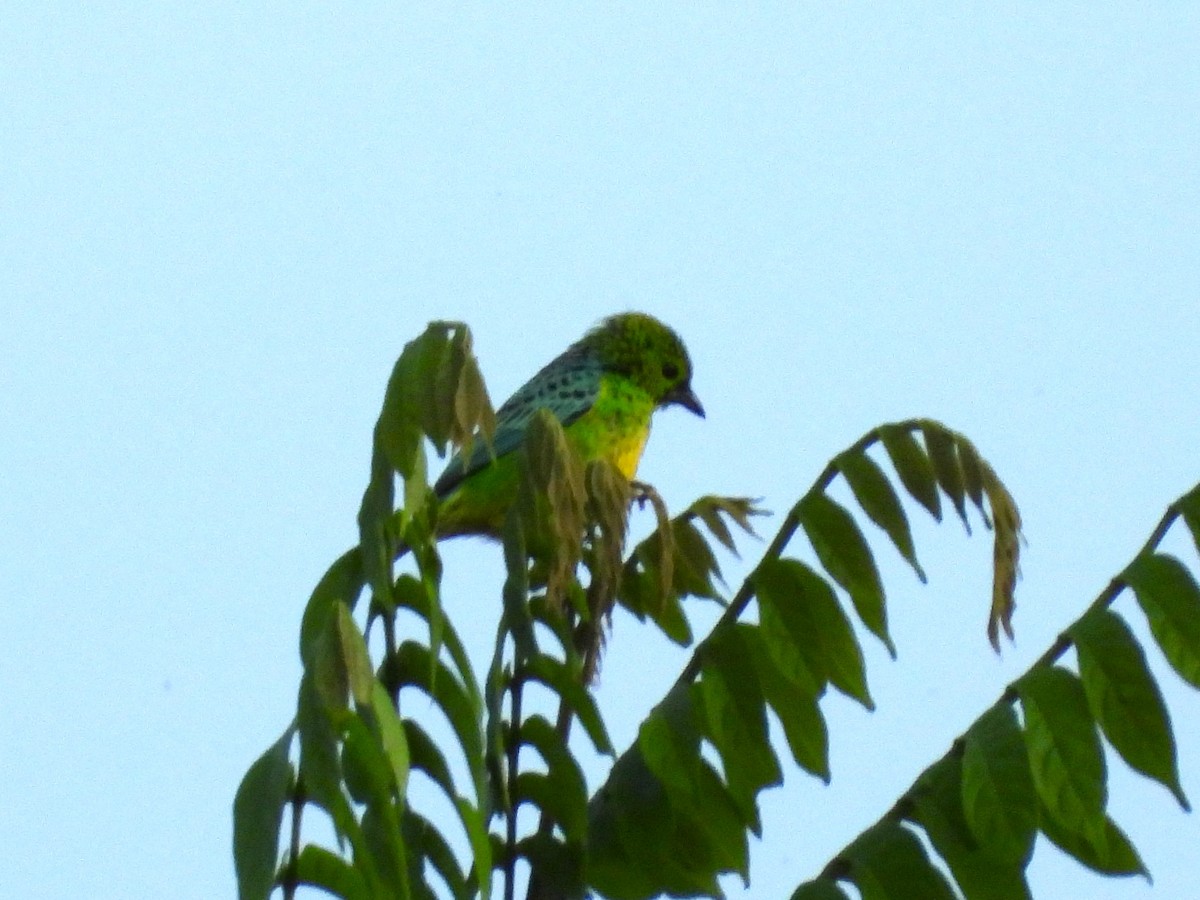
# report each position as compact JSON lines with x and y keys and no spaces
{"x":219,"y":224}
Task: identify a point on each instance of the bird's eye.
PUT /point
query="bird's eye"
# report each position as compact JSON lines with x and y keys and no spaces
{"x":670,"y":371}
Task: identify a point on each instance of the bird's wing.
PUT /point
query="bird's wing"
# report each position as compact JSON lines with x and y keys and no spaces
{"x":567,"y":387}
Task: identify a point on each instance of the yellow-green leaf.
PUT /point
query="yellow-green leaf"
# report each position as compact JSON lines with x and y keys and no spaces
{"x":875,"y":495}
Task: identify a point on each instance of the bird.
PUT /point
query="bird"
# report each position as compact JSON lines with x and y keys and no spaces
{"x":603,"y":389}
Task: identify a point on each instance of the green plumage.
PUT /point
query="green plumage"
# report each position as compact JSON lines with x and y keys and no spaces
{"x":603,"y":389}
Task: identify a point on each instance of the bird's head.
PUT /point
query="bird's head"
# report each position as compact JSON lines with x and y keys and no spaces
{"x":648,"y":353}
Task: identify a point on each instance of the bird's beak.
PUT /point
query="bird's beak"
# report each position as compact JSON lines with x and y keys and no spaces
{"x":684,"y":396}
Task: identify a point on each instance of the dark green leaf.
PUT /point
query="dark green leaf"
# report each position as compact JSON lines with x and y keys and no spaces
{"x":320,"y":868}
{"x":875,"y":495}
{"x":1125,"y":699}
{"x":1065,"y":756}
{"x":1189,"y":506}
{"x":887,"y":862}
{"x":1110,"y":853}
{"x":257,"y":816}
{"x":844,"y":553}
{"x":425,"y":841}
{"x":413,"y":665}
{"x":946,"y":467}
{"x":320,"y":762}
{"x":937,"y":807}
{"x":998,"y":796}
{"x":564,"y":778}
{"x":425,"y":756}
{"x":1170,"y":599}
{"x":913,"y":466}
{"x":565,"y":682}
{"x":381,"y":831}
{"x":369,"y":775}
{"x":669,"y":741}
{"x":558,"y":865}
{"x":735,"y":720}
{"x":797,"y":603}
{"x":819,"y":890}
{"x":792,"y":693}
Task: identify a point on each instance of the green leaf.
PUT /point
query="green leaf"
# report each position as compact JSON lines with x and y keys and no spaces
{"x":1189,"y":507}
{"x":342,"y":582}
{"x":565,"y":682}
{"x":1125,"y":699}
{"x":735,"y":720}
{"x":792,"y":693}
{"x":413,"y":665}
{"x":559,"y":866}
{"x":973,"y":475}
{"x":820,"y":889}
{"x":875,"y":495}
{"x":797,"y":606}
{"x":844,"y":553}
{"x":564,"y":779}
{"x":426,"y":842}
{"x":669,"y":741}
{"x":320,"y":868}
{"x":425,"y":756}
{"x":887,"y":862}
{"x":1065,"y":756}
{"x":938,"y":808}
{"x":369,"y":775}
{"x":390,"y":732}
{"x":946,"y":467}
{"x":913,"y":466}
{"x":381,"y":831}
{"x":320,"y":762}
{"x":998,"y":796}
{"x":1109,"y":854}
{"x":1170,"y":599}
{"x":352,"y":647}
{"x":257,"y":816}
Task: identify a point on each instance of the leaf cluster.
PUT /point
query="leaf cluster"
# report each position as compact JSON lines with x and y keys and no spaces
{"x":677,"y":807}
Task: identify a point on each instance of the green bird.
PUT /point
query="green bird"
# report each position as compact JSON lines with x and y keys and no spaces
{"x":603,"y":389}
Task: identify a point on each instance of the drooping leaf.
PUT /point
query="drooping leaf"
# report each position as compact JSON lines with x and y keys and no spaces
{"x":413,"y":665}
{"x":564,"y":779}
{"x":998,"y":796}
{"x":797,"y":602}
{"x":843,"y":551}
{"x":735,"y":720}
{"x":343,"y":582}
{"x":352,"y":648}
{"x":973,"y":468}
{"x":791,"y":691}
{"x":257,"y":816}
{"x":913,"y":466}
{"x":821,"y":889}
{"x":389,"y":731}
{"x":1169,"y":597}
{"x":887,"y":862}
{"x":382,"y":836}
{"x":876,"y":496}
{"x":938,"y":808}
{"x":1125,"y":699}
{"x":564,"y":682}
{"x":1006,"y":555}
{"x":1065,"y":756}
{"x":323,"y":869}
{"x":427,"y":843}
{"x":940,"y":441}
{"x":1109,"y":853}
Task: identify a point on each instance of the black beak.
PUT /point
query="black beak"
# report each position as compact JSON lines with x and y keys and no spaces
{"x":684,"y":396}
